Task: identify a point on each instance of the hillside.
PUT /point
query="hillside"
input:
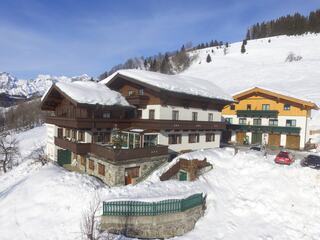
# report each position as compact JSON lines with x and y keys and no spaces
{"x":264,"y":64}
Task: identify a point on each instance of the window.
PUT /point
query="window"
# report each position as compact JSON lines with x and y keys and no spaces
{"x":193,"y":138}
{"x":141,"y":91}
{"x":194,"y":116}
{"x":83,"y":160}
{"x":130,"y":93}
{"x":150,"y":140}
{"x":101,"y":169}
{"x":60,"y":132}
{"x":265,"y":107}
{"x":273,"y":122}
{"x":174,"y":138}
{"x":286,"y":107}
{"x":106,"y":115}
{"x":242,"y":121}
{"x":74,"y":134}
{"x":91,"y":165}
{"x":210,"y":137}
{"x":132,"y":172}
{"x":232,"y":107}
{"x":248,"y":106}
{"x":210,"y":117}
{"x":290,"y":123}
{"x":151,"y":114}
{"x":175,"y":115}
{"x":257,"y":121}
{"x":139,"y":113}
{"x":229,"y":120}
{"x":81,"y":136}
{"x":67,"y":133}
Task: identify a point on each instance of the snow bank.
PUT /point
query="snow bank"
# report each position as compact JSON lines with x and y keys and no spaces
{"x":174,"y":83}
{"x":91,"y":93}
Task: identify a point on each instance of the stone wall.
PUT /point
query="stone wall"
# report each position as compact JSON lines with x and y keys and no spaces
{"x":115,"y":172}
{"x":160,"y":226}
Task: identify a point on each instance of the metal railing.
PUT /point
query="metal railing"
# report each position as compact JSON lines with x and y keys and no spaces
{"x":136,"y":208}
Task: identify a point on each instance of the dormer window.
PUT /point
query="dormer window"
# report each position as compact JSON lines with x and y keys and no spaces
{"x":286,"y":107}
{"x":232,"y":107}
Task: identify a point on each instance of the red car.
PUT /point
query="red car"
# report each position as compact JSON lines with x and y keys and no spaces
{"x":284,"y":158}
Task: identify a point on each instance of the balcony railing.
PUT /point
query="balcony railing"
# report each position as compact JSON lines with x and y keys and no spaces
{"x":265,"y":129}
{"x":85,"y":123}
{"x":110,"y":154}
{"x":258,"y":113}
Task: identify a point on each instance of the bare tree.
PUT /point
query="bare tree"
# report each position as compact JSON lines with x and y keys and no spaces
{"x":89,"y":225}
{"x":39,"y":155}
{"x":9,"y":151}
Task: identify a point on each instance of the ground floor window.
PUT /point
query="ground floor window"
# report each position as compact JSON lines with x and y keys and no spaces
{"x":150,"y":140}
{"x":193,"y":137}
{"x":273,"y":122}
{"x":210,"y":137}
{"x":229,"y":120}
{"x":291,"y":123}
{"x":81,"y":136}
{"x":83,"y":160}
{"x":91,"y":165}
{"x":101,"y":169}
{"x":60,"y":133}
{"x":174,"y":138}
{"x":242,"y":121}
{"x":257,"y":121}
{"x":130,"y":174}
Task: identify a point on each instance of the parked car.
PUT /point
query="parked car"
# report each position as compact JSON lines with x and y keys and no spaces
{"x":312,"y":161}
{"x":284,"y":157}
{"x":256,"y":148}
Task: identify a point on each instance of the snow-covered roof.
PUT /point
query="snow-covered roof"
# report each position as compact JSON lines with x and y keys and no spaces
{"x":87,"y":92}
{"x":277,"y":92}
{"x":174,"y":83}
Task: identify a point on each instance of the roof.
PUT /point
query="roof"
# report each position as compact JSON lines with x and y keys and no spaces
{"x":174,"y":83}
{"x":87,"y":92}
{"x":275,"y":93}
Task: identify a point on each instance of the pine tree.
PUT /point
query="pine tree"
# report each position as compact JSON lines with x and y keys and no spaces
{"x":165,"y":65}
{"x":208,"y":58}
{"x":243,"y":48}
{"x":248,"y":34}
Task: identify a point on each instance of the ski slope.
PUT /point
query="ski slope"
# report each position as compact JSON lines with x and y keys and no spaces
{"x":249,"y":197}
{"x":264,"y":64}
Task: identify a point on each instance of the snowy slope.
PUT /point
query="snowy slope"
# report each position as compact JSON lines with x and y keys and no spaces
{"x":264,"y":65}
{"x":249,"y":197}
{"x":27,"y":88}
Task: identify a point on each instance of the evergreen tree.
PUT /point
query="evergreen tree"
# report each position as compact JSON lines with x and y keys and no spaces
{"x":165,"y":65}
{"x":208,"y":58}
{"x":243,"y":48}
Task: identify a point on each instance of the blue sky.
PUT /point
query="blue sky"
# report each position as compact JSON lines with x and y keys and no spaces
{"x":69,"y":37}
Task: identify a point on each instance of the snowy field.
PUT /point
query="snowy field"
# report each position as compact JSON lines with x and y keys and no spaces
{"x":264,"y":64}
{"x":249,"y":197}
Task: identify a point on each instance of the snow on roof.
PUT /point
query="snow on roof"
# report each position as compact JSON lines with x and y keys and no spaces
{"x":88,"y":92}
{"x":284,"y":93}
{"x":174,"y":83}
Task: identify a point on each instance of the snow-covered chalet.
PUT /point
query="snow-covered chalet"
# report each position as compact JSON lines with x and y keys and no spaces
{"x":127,"y":125}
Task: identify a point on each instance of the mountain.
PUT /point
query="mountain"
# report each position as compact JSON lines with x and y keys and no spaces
{"x":290,"y":64}
{"x":11,"y":86}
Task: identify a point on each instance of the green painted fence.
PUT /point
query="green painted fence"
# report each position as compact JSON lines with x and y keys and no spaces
{"x":135,"y":208}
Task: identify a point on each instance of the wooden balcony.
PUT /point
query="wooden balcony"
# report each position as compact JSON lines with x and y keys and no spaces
{"x":110,"y":154}
{"x":75,"y":147}
{"x":265,"y":129}
{"x":85,"y":123}
{"x":258,"y":113}
{"x":138,"y":100}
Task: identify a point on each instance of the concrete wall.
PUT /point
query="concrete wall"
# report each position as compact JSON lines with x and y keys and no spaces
{"x":160,"y":226}
{"x":165,"y":113}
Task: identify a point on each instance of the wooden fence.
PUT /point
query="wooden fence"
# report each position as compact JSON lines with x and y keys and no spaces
{"x":136,"y":208}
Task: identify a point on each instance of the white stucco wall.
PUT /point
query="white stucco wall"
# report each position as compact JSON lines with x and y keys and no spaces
{"x":165,"y":113}
{"x":51,"y":149}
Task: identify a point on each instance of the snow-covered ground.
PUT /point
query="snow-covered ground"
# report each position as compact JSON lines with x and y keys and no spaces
{"x":249,"y":197}
{"x":264,"y":64}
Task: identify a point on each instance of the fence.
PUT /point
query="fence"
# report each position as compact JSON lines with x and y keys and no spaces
{"x":135,"y":208}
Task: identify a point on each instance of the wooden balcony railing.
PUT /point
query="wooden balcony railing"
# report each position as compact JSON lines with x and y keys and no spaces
{"x":85,"y":123}
{"x":110,"y":154}
{"x":138,"y":100}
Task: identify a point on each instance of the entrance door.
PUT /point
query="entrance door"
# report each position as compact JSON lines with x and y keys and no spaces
{"x":293,"y":142}
{"x":274,"y":140}
{"x":130,"y":174}
{"x":256,"y":138}
{"x":240,"y":136}
{"x":64,"y":157}
{"x":182,"y":176}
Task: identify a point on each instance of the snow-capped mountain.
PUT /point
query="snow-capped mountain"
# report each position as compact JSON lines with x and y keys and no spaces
{"x":289,"y":64}
{"x":12,"y":86}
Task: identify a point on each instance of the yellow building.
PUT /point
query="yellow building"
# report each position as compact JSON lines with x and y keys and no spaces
{"x":262,"y":116}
